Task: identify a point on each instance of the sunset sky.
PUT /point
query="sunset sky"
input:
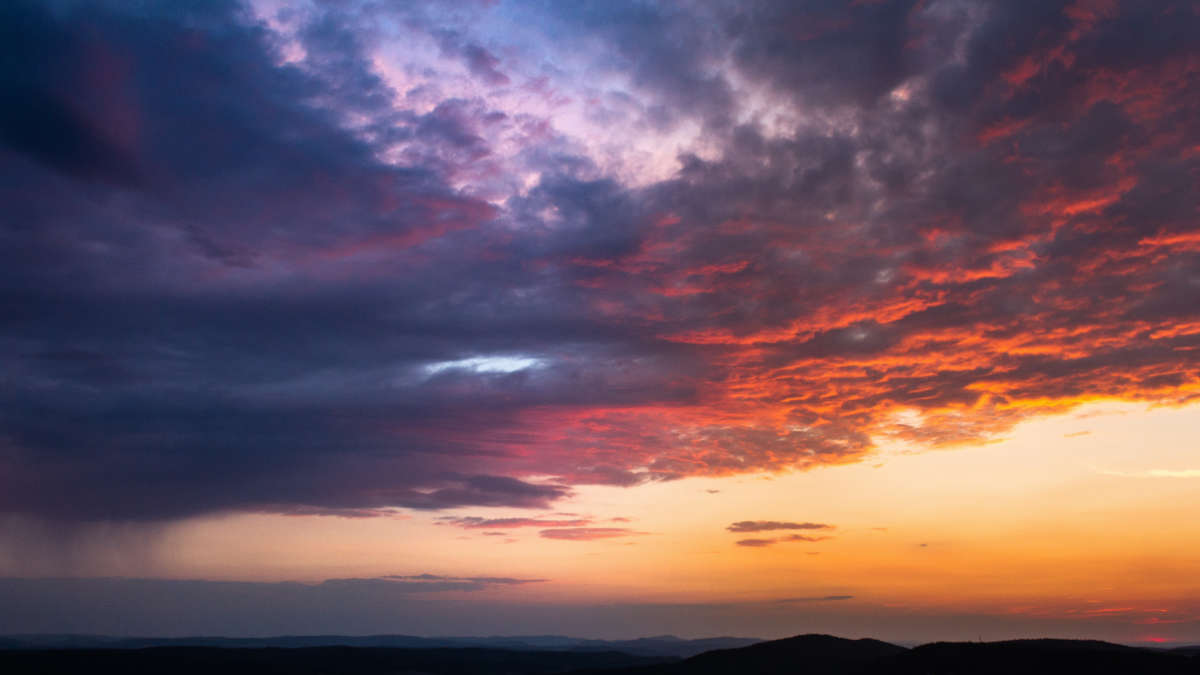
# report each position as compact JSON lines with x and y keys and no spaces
{"x":610,"y":319}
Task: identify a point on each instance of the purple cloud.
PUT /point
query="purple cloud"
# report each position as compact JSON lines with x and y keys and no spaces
{"x":253,"y":270}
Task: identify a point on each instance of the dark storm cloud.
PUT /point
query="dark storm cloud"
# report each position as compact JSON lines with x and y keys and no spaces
{"x":190,"y":340}
{"x":807,"y":48}
{"x":234,"y":281}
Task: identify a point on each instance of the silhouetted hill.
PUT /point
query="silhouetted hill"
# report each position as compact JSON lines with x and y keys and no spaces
{"x":1040,"y":656}
{"x":308,"y":661}
{"x":807,"y":654}
{"x":801,"y":655}
{"x":824,"y":654}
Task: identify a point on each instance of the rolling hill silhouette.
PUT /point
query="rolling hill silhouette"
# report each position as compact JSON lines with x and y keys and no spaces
{"x":800,"y":655}
{"x":1040,"y":656}
{"x":828,"y":655}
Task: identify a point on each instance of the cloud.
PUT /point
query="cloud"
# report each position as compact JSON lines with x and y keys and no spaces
{"x":755,"y":543}
{"x":816,"y":598}
{"x":424,"y":583}
{"x":587,"y":533}
{"x":768,"y":525}
{"x":760,"y":543}
{"x":481,"y":62}
{"x":359,"y":259}
{"x":801,"y":537}
{"x":476,"y":522}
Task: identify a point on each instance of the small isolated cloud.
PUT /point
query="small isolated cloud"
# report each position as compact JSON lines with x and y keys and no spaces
{"x":430,"y":583}
{"x":767,"y":542}
{"x":477,"y":523}
{"x":1077,"y":434}
{"x":713,"y":492}
{"x":587,"y":533}
{"x":755,"y":543}
{"x":801,"y":537}
{"x":768,"y":525}
{"x":817,"y":598}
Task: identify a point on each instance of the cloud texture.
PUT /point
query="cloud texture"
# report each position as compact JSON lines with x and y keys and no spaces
{"x":268,"y":260}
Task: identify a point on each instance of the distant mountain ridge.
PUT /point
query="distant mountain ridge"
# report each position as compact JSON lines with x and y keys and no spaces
{"x":659,"y":645}
{"x":828,"y":655}
{"x":556,"y":655}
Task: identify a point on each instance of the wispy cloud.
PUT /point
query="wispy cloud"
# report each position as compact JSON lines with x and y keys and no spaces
{"x":769,"y":525}
{"x":587,"y":533}
{"x":755,"y":543}
{"x":758,"y":543}
{"x":427,"y":583}
{"x":475,"y":522}
{"x":816,"y":598}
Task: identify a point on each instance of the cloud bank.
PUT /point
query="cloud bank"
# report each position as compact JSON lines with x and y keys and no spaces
{"x":279,"y":261}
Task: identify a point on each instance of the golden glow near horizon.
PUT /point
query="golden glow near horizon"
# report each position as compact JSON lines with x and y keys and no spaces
{"x":1086,"y":513}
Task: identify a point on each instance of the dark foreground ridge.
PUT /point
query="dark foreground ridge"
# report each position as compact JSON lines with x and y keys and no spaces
{"x":825,"y":654}
{"x":804,"y":654}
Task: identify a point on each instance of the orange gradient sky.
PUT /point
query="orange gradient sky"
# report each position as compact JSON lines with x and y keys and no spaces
{"x":1084,"y":518}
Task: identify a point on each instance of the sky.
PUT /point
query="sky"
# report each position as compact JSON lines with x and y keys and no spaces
{"x":611,"y":319}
